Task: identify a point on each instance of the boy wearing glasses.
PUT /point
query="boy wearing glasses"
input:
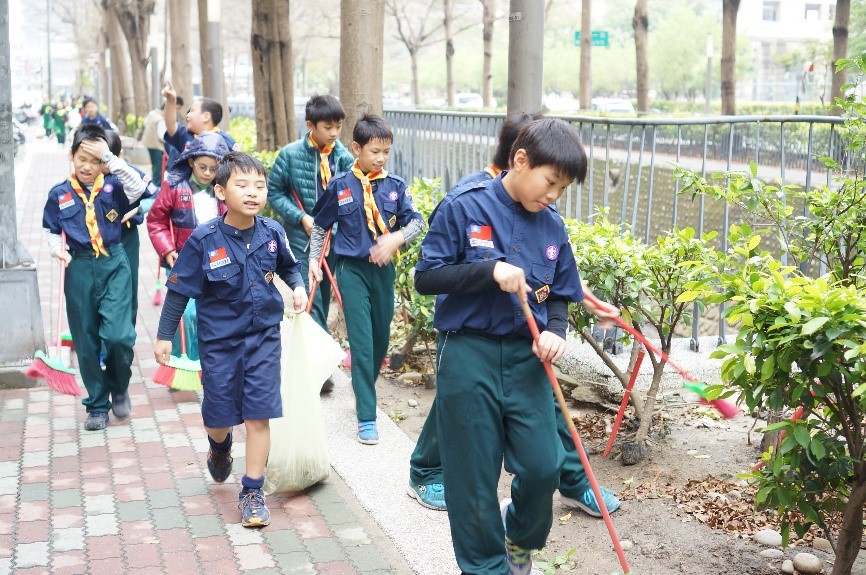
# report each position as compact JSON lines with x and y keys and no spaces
{"x":186,"y":200}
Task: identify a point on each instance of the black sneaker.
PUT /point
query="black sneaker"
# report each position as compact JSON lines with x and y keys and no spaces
{"x":96,"y":421}
{"x":219,"y":463}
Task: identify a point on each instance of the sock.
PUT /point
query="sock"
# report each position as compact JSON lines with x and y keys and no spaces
{"x":226,"y":445}
{"x":251,"y":484}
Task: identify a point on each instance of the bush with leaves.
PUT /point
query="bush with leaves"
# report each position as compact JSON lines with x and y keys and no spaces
{"x":802,"y":342}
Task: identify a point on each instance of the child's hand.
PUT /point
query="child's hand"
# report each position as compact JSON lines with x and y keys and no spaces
{"x":299,"y":299}
{"x":549,"y":346}
{"x":169,"y":93}
{"x":603,"y":310}
{"x":170,"y":258}
{"x":315,"y":275}
{"x":511,"y":279}
{"x":385,"y":247}
{"x":96,"y":148}
{"x":162,"y":351}
{"x":307,"y":222}
{"x":62,"y":257}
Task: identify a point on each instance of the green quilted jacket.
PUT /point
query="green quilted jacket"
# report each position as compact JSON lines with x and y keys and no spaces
{"x":296,"y":168}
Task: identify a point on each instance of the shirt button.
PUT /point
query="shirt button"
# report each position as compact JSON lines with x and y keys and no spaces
{"x":515,"y":249}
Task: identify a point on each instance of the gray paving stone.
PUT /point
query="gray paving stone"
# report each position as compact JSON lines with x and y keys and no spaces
{"x":263,"y":572}
{"x":367,"y":558}
{"x":283,"y":541}
{"x":325,"y":493}
{"x":191,"y":486}
{"x":31,"y":555}
{"x":172,"y":518}
{"x":99,"y":504}
{"x":132,"y":511}
{"x":163,"y":499}
{"x":33,"y":492}
{"x":206,"y":525}
{"x":68,"y":539}
{"x":337,"y":513}
{"x":352,"y":534}
{"x":64,"y":498}
{"x":295,"y":563}
{"x":325,"y":550}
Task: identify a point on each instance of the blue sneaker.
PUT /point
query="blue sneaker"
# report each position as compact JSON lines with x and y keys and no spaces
{"x":96,"y":421}
{"x":254,"y":512}
{"x":367,"y":433}
{"x":588,"y":503}
{"x":431,"y":496}
{"x":519,"y":559}
{"x":121,"y":405}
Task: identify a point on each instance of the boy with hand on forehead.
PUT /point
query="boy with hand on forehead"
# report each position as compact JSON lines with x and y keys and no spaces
{"x":375,"y":217}
{"x":89,"y":208}
{"x":228,"y":266}
{"x":487,"y":246}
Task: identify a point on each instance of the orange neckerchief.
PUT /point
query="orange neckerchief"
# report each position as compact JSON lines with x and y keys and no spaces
{"x":374,"y":218}
{"x":90,"y":212}
{"x":492,"y":170}
{"x":324,"y":152}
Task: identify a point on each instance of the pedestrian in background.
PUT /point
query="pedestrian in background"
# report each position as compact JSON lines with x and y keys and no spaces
{"x":92,"y":115}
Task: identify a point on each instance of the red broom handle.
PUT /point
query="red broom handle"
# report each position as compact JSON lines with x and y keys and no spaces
{"x":563,"y":407}
{"x":623,"y":403}
{"x":62,"y":286}
{"x":182,"y":337}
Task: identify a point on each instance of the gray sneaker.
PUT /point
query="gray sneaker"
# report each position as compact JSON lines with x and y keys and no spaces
{"x":121,"y":405}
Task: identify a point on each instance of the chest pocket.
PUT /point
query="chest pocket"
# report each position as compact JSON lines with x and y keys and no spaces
{"x":67,"y":214}
{"x":389,"y":214}
{"x":351,"y":218}
{"x":543,"y":274}
{"x":225,"y":281}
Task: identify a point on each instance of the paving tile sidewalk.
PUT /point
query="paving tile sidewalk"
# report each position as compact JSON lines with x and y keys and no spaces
{"x":137,"y":498}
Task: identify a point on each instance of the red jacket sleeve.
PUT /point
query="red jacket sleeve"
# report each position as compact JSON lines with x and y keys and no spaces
{"x":158,"y":222}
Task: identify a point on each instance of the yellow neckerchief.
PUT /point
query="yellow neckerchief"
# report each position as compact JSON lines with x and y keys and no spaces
{"x":324,"y":152}
{"x":492,"y":170}
{"x":374,"y":218}
{"x":90,"y":212}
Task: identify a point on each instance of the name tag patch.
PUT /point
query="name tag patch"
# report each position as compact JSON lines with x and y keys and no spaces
{"x":66,"y":201}
{"x":480,"y":236}
{"x":218,"y":258}
{"x":345,"y":197}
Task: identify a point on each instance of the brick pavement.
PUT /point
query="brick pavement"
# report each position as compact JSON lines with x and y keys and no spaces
{"x":137,"y":498}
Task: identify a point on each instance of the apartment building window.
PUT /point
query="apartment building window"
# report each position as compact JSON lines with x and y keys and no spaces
{"x":771,"y":11}
{"x":813,"y":12}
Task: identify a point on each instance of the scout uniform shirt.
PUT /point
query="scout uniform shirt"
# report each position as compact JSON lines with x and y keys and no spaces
{"x":234,"y":285}
{"x":344,"y":203}
{"x":481,"y":222}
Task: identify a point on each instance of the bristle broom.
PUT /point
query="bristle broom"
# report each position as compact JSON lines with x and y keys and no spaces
{"x":187,"y":372}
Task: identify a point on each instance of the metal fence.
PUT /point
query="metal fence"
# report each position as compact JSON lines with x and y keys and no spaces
{"x":631,"y":161}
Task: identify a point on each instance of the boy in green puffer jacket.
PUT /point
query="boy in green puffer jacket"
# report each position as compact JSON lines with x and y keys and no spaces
{"x":299,"y":176}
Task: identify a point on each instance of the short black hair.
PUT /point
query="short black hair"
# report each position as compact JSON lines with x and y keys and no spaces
{"x":214,"y":108}
{"x":324,"y":108}
{"x":508,"y":133}
{"x":87,"y":132}
{"x":234,"y":162}
{"x":552,"y":142}
{"x":179,"y":101}
{"x":371,"y":127}
{"x":87,"y":101}
{"x":115,"y":145}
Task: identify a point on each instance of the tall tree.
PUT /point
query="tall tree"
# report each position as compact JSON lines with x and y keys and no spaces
{"x":488,"y":18}
{"x":134,"y":19}
{"x":412,"y":19}
{"x":202,"y":47}
{"x":448,"y":17}
{"x":271,"y":44}
{"x":181,"y":66}
{"x":585,"y":55}
{"x":730,"y":8}
{"x":640,"y":24}
{"x":362,"y":38}
{"x":82,"y":27}
{"x":840,"y":50}
{"x":122,"y":101}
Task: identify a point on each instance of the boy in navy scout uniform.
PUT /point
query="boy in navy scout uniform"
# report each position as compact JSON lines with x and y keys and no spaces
{"x":89,"y":207}
{"x":300,"y":176}
{"x":228,"y":266}
{"x":488,"y":245}
{"x":426,"y":485}
{"x":375,"y":217}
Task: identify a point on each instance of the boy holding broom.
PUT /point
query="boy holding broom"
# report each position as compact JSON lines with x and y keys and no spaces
{"x":228,"y":266}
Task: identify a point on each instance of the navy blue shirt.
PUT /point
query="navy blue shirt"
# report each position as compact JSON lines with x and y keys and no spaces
{"x":233,"y":285}
{"x":473,"y":178}
{"x":183,"y":136}
{"x":65,"y":210}
{"x":99,"y":120}
{"x":343,"y":203}
{"x":481,"y":223}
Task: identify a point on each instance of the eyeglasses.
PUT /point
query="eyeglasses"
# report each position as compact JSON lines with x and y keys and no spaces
{"x":206,"y":169}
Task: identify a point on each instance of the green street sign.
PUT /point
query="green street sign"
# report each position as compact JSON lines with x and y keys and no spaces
{"x":599,"y":38}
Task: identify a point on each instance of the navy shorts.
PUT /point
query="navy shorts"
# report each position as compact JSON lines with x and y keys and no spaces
{"x":241,"y":378}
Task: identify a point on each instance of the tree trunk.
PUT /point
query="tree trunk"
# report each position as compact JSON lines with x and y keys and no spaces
{"x":272,"y":74}
{"x":362,"y":32}
{"x":640,"y":23}
{"x":840,"y":50}
{"x":202,"y":48}
{"x":487,"y":20}
{"x":416,"y":89}
{"x":729,"y":56}
{"x":134,"y":19}
{"x":650,"y":404}
{"x":121,"y":90}
{"x":181,"y":66}
{"x":585,"y":55}
{"x":448,"y":9}
{"x":851,"y":532}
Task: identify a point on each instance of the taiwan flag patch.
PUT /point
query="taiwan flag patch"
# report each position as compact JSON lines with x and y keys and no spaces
{"x":66,"y":201}
{"x":480,"y":236}
{"x":345,"y":197}
{"x":218,"y":258}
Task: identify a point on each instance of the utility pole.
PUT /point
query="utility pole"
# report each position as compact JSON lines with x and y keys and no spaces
{"x":525,"y":55}
{"x":708,"y":87}
{"x":215,"y":57}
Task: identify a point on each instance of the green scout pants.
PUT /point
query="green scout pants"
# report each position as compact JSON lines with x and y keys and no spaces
{"x":368,"y":295}
{"x":132,"y":246}
{"x":99,"y":310}
{"x":155,"y":165}
{"x":425,"y":465}
{"x":322,"y":302}
{"x":494,"y":403}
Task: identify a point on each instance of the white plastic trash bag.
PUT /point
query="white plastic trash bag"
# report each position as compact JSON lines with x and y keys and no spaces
{"x":299,"y":452}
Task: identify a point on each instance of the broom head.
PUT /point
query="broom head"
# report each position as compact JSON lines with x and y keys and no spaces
{"x":157,"y":296}
{"x":187,"y":373}
{"x":164,"y":375}
{"x":58,"y":377}
{"x":726,"y":408}
{"x":66,"y":340}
